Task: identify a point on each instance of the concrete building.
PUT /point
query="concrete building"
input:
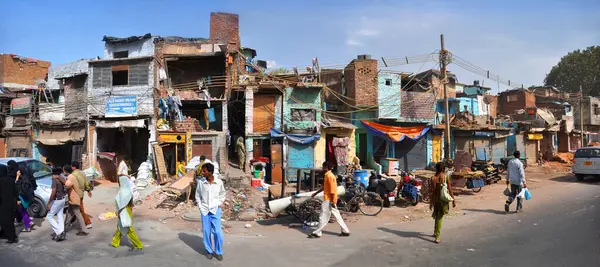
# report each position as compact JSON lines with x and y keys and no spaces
{"x":61,"y":130}
{"x":121,"y":102}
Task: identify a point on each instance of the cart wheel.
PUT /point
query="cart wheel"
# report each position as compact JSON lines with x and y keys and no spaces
{"x":476,"y":189}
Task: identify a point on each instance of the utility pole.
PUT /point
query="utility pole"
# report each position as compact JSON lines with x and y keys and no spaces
{"x":581,"y":114}
{"x":443,"y":63}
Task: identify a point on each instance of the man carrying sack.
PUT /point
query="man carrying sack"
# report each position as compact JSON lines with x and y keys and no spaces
{"x":330,"y":197}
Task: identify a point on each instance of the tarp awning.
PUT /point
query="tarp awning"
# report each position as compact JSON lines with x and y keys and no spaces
{"x":396,"y":133}
{"x":57,"y":137}
{"x":121,"y":123}
{"x":301,"y":139}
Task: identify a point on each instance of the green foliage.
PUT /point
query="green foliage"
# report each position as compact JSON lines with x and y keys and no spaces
{"x":580,"y":67}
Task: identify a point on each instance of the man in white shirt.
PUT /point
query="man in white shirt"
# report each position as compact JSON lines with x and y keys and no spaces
{"x":515,"y":177}
{"x":210,"y":194}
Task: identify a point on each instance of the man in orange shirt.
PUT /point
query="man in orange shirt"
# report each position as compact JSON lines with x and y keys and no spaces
{"x":330,"y":197}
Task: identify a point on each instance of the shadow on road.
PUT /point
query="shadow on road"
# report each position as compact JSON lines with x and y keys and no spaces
{"x":193,"y":241}
{"x":498,"y":212}
{"x":570,"y":178}
{"x":408,"y":234}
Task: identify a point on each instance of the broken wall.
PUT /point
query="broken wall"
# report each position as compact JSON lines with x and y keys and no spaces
{"x":140,"y":48}
{"x":16,"y":71}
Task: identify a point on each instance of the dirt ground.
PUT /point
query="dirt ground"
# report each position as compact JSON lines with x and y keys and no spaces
{"x":170,"y":213}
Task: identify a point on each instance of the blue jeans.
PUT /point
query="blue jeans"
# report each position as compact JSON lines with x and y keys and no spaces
{"x":211,"y":224}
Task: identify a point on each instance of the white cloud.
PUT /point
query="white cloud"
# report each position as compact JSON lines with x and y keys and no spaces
{"x":367,"y":32}
{"x":351,"y":42}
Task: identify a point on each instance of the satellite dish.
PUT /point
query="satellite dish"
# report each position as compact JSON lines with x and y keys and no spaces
{"x":487,"y":100}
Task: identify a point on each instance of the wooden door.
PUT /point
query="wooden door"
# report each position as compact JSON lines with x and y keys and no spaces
{"x":264,"y":113}
{"x":2,"y":148}
{"x":257,"y":148}
{"x":202,"y":148}
{"x":276,"y":161}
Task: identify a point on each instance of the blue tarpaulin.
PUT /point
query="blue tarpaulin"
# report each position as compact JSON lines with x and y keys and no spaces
{"x":300,"y":139}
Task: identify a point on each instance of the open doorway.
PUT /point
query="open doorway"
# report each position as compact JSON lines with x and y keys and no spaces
{"x":131,"y":142}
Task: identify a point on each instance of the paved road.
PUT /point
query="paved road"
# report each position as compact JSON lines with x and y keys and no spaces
{"x":558,"y":228}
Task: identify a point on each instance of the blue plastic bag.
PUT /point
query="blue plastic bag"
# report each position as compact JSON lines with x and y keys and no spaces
{"x":527,"y":194}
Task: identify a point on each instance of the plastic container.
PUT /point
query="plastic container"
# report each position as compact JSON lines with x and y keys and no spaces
{"x":361,"y":176}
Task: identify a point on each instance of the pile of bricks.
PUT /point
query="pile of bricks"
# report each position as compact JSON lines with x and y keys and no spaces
{"x":187,"y":125}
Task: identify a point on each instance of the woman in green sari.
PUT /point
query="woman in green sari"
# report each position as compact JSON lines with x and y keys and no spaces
{"x":439,"y":207}
{"x":124,"y":203}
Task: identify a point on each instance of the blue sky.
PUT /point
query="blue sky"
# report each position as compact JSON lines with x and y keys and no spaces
{"x":519,"y":40}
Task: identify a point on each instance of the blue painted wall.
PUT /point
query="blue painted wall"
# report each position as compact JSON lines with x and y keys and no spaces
{"x":388,"y":95}
{"x":461,"y":104}
{"x":300,"y":156}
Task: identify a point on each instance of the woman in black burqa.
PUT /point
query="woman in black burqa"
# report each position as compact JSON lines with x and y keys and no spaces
{"x":8,"y":202}
{"x":25,"y":186}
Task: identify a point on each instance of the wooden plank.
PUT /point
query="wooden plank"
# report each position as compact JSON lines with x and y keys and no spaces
{"x":182,"y":184}
{"x":159,"y":161}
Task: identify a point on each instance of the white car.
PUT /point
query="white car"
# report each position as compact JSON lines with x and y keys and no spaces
{"x":586,"y":162}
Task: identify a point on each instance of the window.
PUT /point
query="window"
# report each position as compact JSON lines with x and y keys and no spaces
{"x":388,"y":82}
{"x":120,"y":75}
{"x":596,"y":109}
{"x":304,"y":114}
{"x":121,"y":54}
{"x":587,"y":153}
{"x":512,"y":98}
{"x":38,"y":169}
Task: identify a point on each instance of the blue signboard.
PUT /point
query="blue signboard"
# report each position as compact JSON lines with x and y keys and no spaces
{"x":121,"y":106}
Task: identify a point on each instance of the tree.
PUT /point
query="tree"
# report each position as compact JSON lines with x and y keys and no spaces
{"x":577,"y":68}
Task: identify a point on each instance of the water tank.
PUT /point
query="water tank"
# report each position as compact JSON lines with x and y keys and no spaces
{"x":362,"y":57}
{"x":476,"y":82}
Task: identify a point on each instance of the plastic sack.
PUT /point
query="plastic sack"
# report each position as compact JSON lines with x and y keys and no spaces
{"x":446,"y":197}
{"x":521,"y":194}
{"x":527,"y":194}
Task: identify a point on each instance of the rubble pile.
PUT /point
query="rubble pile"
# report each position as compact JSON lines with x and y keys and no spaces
{"x":563,"y":158}
{"x":246,"y":204}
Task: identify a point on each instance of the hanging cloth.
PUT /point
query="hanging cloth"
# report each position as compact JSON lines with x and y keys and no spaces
{"x":340,"y":147}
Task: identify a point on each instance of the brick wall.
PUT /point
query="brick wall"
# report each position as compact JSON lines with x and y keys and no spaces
{"x":417,"y":105}
{"x":521,"y":99}
{"x":23,"y":71}
{"x":138,"y":74}
{"x":361,"y":82}
{"x":224,"y":28}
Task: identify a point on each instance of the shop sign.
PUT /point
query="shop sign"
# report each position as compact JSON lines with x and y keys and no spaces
{"x":173,"y":138}
{"x":19,"y":105}
{"x":535,"y":136}
{"x":121,"y":106}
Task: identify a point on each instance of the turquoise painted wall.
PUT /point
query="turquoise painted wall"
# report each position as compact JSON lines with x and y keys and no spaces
{"x":302,"y":98}
{"x":388,"y":95}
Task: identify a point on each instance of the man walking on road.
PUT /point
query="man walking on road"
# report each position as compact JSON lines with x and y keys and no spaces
{"x":75,"y":194}
{"x":328,"y":207}
{"x":84,"y":186}
{"x":210,"y":194}
{"x":515,"y":177}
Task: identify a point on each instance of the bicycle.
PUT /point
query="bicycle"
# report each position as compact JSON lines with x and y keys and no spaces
{"x":358,"y":199}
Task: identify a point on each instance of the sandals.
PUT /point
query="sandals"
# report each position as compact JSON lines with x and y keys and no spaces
{"x":25,"y":230}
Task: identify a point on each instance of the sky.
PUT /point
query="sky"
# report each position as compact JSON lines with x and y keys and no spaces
{"x":517,"y":40}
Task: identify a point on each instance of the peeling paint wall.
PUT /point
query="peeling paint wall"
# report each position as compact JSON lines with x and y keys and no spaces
{"x":99,"y":89}
{"x":388,"y":95}
{"x":301,"y":98}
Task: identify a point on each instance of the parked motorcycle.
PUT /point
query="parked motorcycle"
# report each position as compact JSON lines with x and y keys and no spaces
{"x":384,"y":187}
{"x":410,"y":188}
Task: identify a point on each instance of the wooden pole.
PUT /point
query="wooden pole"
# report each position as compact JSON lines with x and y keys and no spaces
{"x":443,"y":56}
